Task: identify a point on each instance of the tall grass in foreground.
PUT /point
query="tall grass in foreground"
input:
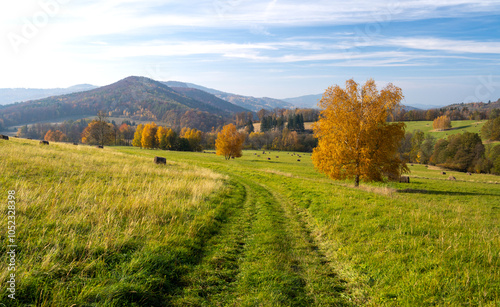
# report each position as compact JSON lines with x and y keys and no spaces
{"x":99,"y":227}
{"x":433,"y":242}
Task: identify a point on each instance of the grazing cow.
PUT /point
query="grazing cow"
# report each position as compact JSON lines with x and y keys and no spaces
{"x":44,"y":143}
{"x":298,"y":160}
{"x":443,"y":173}
{"x":404,"y":179}
{"x":160,"y":160}
{"x":4,"y":137}
{"x":75,"y":143}
{"x":99,"y":146}
{"x":268,"y":158}
{"x":277,"y":157}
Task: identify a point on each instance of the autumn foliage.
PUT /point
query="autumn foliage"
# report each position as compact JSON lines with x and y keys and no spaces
{"x":229,"y":142}
{"x":354,"y":139}
{"x":98,"y":132}
{"x":193,"y":136}
{"x":442,"y":123}
{"x":55,"y":136}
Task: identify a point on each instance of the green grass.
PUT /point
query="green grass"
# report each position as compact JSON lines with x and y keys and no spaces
{"x":457,"y":126}
{"x":110,"y":228}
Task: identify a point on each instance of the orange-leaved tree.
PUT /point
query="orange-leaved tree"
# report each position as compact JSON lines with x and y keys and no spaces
{"x":229,"y":142}
{"x":354,"y":139}
{"x":441,"y":123}
{"x":99,"y":131}
{"x":55,"y":136}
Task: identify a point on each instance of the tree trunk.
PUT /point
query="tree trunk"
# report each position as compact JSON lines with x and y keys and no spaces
{"x":356,"y":178}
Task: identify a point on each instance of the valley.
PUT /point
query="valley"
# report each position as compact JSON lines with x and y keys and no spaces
{"x":117,"y":229}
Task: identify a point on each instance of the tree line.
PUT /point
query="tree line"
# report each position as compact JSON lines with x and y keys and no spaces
{"x":465,"y":152}
{"x":456,"y":112}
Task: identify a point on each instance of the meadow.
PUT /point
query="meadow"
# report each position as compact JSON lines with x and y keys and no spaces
{"x":108,"y":227}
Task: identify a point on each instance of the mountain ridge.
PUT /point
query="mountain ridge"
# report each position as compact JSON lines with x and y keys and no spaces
{"x":137,"y":98}
{"x":13,"y":95}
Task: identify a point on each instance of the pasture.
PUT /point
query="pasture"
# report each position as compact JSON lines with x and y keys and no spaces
{"x":108,"y":227}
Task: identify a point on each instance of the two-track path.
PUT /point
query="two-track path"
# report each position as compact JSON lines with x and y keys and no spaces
{"x":263,"y":255}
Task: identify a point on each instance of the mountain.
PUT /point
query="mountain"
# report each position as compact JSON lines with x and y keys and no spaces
{"x":251,"y":103}
{"x":311,"y":101}
{"x":11,"y":95}
{"x":307,"y":101}
{"x":209,"y":99}
{"x":137,"y":98}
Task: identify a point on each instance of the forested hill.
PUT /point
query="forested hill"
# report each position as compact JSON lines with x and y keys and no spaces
{"x":209,"y":99}
{"x":136,"y":98}
{"x":248,"y":102}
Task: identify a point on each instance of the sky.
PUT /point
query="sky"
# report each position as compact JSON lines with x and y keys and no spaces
{"x":437,"y":52}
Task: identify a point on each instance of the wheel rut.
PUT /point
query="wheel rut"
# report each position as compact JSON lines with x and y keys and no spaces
{"x":264,"y":254}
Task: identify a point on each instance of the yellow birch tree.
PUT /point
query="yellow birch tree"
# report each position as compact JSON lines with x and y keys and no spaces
{"x":229,"y":142}
{"x":354,"y":139}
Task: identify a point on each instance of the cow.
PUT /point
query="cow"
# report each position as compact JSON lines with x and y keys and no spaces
{"x":44,"y":143}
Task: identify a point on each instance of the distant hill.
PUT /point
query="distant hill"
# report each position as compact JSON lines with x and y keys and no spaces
{"x":474,"y":106}
{"x":11,"y":95}
{"x":307,"y":101}
{"x":209,"y":99}
{"x":137,"y":98}
{"x":311,"y":101}
{"x":251,"y":103}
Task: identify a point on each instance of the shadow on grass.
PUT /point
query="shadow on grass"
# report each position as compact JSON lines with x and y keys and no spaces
{"x":419,"y":191}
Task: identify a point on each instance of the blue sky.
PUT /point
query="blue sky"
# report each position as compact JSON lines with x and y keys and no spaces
{"x":438,"y":52}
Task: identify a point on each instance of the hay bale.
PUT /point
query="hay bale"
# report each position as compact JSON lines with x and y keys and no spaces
{"x":268,"y":158}
{"x":468,"y":173}
{"x":404,"y":179}
{"x":443,"y":173}
{"x":452,"y":178}
{"x":160,"y":160}
{"x":4,"y":137}
{"x":44,"y":143}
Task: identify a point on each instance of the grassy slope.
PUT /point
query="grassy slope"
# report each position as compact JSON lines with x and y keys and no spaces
{"x":272,"y":232}
{"x":458,"y":126}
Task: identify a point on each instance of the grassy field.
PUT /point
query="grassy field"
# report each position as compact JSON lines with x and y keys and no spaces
{"x":107,"y":227}
{"x":458,"y":126}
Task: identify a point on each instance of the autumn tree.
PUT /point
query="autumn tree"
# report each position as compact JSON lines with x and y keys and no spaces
{"x":55,"y":136}
{"x":193,"y":136}
{"x":149,"y":136}
{"x":491,"y":129}
{"x":137,"y":141}
{"x":99,"y":131}
{"x":161,"y":137}
{"x":442,"y":123}
{"x":354,"y":139}
{"x":229,"y":142}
